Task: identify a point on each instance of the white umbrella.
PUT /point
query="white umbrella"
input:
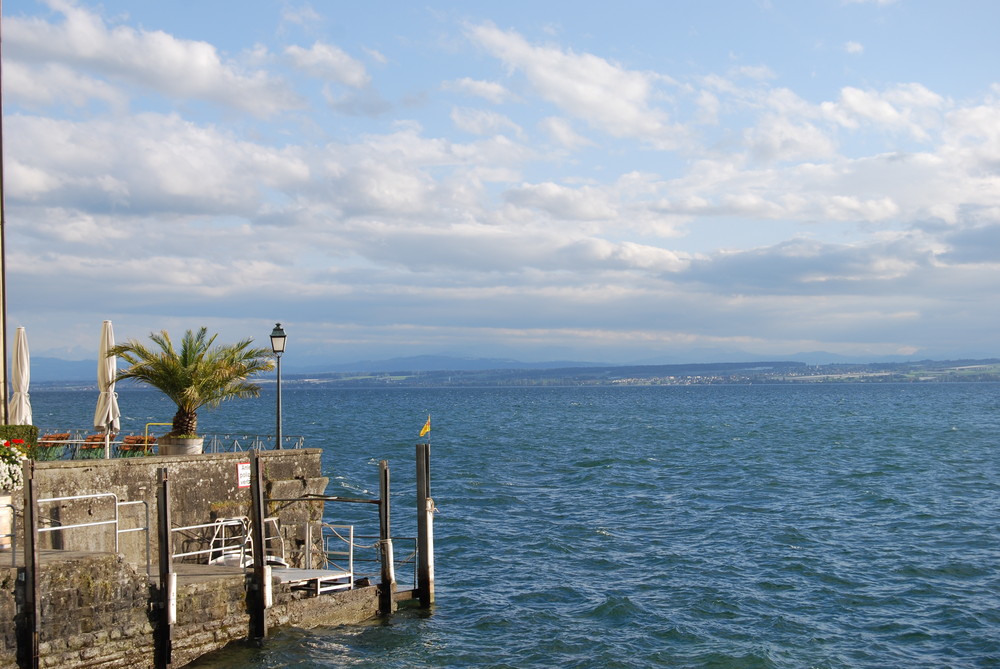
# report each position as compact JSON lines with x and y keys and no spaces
{"x":107,"y":414}
{"x":19,"y":408}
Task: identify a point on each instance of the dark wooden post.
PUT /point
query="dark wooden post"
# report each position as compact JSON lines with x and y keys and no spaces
{"x":168,"y":578}
{"x":32,"y":595}
{"x":387,"y":588}
{"x":425,"y":527}
{"x":258,"y":614}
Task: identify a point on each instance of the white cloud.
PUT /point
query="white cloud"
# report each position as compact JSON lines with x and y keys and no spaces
{"x":303,"y":15}
{"x":149,"y":59}
{"x":328,"y":61}
{"x":777,"y":138}
{"x":53,"y":84}
{"x":149,"y":162}
{"x":603,"y":94}
{"x":758,"y":72}
{"x":562,"y":202}
{"x":482,"y":122}
{"x":854,"y":48}
{"x":488,"y":90}
{"x":909,"y":108}
{"x":561,"y":132}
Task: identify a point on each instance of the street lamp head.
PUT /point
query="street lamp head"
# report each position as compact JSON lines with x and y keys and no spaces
{"x":278,"y":340}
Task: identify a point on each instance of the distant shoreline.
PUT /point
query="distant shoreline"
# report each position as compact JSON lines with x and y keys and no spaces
{"x":781,"y":372}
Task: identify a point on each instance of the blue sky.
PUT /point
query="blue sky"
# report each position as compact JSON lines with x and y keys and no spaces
{"x":637,"y":181}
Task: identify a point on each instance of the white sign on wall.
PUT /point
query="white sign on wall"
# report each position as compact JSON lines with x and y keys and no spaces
{"x":243,"y":474}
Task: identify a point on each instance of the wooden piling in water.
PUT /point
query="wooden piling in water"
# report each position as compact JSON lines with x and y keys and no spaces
{"x":387,"y":589}
{"x":425,"y":527}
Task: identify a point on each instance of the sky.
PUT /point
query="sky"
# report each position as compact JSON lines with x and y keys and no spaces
{"x":639,"y":181}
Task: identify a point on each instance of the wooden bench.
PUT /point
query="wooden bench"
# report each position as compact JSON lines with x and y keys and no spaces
{"x":136,"y":443}
{"x":50,"y":446}
{"x":51,"y":440}
{"x":92,"y":445}
{"x":96,"y":440}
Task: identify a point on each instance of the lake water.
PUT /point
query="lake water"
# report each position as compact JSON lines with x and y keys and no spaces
{"x":709,"y":526}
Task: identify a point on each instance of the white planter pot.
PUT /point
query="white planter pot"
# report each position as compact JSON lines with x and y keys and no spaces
{"x":178,"y":446}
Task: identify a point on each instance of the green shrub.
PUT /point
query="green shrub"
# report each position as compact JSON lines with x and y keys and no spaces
{"x":27,"y":433}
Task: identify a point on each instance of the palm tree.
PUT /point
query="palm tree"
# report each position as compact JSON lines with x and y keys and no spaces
{"x":196,"y":376}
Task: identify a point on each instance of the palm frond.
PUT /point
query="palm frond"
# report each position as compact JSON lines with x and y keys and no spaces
{"x":200,"y":374}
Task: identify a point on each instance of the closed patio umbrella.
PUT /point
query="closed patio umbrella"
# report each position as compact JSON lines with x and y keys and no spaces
{"x":107,"y":413}
{"x":19,"y":407}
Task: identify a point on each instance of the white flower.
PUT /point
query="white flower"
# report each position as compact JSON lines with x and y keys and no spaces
{"x":11,"y":477}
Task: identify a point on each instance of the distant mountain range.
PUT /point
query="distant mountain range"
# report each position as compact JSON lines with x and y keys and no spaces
{"x":432,"y":363}
{"x":442,"y":363}
{"x":55,"y":370}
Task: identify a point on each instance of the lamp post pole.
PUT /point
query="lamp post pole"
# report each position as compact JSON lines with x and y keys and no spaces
{"x":278,"y":347}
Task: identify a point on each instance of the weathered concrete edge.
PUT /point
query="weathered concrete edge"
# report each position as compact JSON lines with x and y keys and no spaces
{"x":200,"y":457}
{"x":348,"y":607}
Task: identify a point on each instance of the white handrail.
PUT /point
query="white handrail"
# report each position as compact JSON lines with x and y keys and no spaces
{"x":349,"y":540}
{"x":115,"y":521}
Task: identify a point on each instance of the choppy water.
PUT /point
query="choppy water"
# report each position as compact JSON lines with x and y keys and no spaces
{"x":721,"y":526}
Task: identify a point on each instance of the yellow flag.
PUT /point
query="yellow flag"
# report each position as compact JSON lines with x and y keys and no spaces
{"x":427,"y":426}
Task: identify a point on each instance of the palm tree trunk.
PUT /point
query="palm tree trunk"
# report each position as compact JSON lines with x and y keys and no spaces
{"x":185,"y":422}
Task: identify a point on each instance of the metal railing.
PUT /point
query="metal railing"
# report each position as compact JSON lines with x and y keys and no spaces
{"x":235,"y":443}
{"x":225,"y":548}
{"x":72,"y":444}
{"x":114,"y":521}
{"x":334,"y":557}
{"x":409,"y":559}
{"x":221,"y":544}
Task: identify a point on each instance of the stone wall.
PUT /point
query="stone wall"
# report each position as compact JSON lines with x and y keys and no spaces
{"x":8,"y":616}
{"x":210,"y":615}
{"x":203,"y":489}
{"x":94,"y":610}
{"x":97,"y":612}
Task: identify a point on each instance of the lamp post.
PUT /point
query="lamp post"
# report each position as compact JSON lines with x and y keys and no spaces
{"x":278,"y":347}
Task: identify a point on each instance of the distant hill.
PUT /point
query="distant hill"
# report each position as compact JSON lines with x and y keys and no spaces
{"x":555,"y":375}
{"x":54,"y":370}
{"x":430,"y":363}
